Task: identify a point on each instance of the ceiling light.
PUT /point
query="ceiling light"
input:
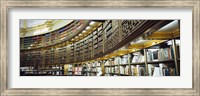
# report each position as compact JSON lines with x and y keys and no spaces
{"x":92,"y":23}
{"x":133,"y":49}
{"x":84,"y":31}
{"x":154,"y":43}
{"x":88,"y":28}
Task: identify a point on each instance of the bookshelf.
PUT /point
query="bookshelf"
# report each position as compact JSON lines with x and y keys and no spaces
{"x":72,"y":53}
{"x":143,"y":61}
{"x":55,"y":37}
{"x":62,"y":55}
{"x":116,"y":48}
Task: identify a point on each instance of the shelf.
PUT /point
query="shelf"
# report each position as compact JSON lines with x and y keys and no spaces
{"x":115,"y":65}
{"x":119,"y":74}
{"x":93,"y":72}
{"x":77,"y":75}
{"x":107,"y":65}
{"x":163,"y":61}
{"x":123,"y":64}
{"x":89,"y":50}
{"x":139,"y":63}
{"x":151,"y":62}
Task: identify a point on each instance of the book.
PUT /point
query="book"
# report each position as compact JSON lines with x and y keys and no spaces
{"x":141,"y":58}
{"x":135,"y":58}
{"x":162,"y":68}
{"x":124,"y":59}
{"x":141,"y":71}
{"x":155,"y":55}
{"x":149,"y":57}
{"x":122,"y":69}
{"x":160,"y":54}
{"x":99,"y":71}
{"x":133,"y":70}
{"x":151,"y":69}
{"x":127,"y":70}
{"x":118,"y":60}
{"x":117,"y":69}
{"x":156,"y":71}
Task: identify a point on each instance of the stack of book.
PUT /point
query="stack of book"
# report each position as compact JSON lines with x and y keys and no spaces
{"x":117,"y":60}
{"x":160,"y":54}
{"x":161,"y":69}
{"x":137,"y":58}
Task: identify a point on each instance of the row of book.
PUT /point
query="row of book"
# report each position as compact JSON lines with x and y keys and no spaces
{"x":52,"y":37}
{"x":160,"y":54}
{"x":87,"y":48}
{"x":36,"y":57}
{"x":37,"y":71}
{"x":87,"y":69}
{"x":136,"y":58}
{"x":160,"y":69}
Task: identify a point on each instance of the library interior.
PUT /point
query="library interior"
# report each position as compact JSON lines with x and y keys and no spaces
{"x":99,"y":47}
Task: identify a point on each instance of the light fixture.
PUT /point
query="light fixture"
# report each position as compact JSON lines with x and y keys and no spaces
{"x":83,"y":31}
{"x":79,"y":34}
{"x":92,"y":23}
{"x":133,"y":50}
{"x":88,"y":28}
{"x":154,"y":43}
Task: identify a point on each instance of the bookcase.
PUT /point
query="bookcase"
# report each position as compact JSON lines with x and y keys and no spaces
{"x":72,"y":53}
{"x":77,"y":51}
{"x":157,"y":60}
{"x":54,"y":37}
{"x":95,"y":42}
{"x":107,"y":25}
{"x":57,"y":36}
{"x":112,"y":48}
{"x":88,"y":46}
{"x":70,"y":69}
{"x":100,"y":40}
{"x":47,"y":56}
{"x":77,"y":69}
{"x":21,"y":43}
{"x":62,"y":55}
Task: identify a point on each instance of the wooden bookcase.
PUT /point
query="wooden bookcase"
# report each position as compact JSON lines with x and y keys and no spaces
{"x":109,"y":40}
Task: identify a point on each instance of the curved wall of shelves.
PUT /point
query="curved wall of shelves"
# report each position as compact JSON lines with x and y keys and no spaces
{"x":107,"y":40}
{"x":59,"y":36}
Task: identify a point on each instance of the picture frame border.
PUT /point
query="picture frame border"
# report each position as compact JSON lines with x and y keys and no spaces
{"x":5,"y":5}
